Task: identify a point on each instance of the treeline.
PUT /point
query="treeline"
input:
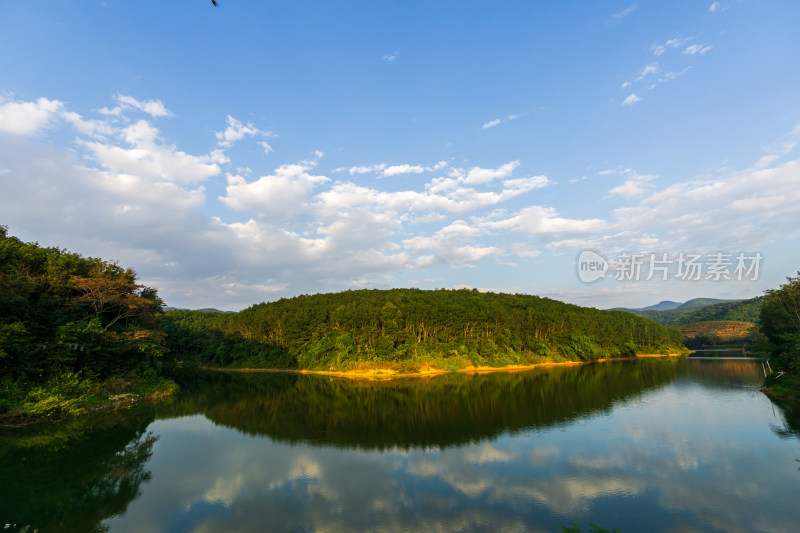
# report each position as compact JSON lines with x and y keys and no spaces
{"x":703,"y":310}
{"x":744,"y":311}
{"x":780,"y":323}
{"x":69,"y":324}
{"x":410,"y":328}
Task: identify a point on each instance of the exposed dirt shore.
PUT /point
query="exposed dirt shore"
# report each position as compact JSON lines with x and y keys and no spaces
{"x":391,"y":373}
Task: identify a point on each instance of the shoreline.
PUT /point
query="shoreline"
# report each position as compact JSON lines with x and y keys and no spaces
{"x":112,"y":403}
{"x":389,"y":373}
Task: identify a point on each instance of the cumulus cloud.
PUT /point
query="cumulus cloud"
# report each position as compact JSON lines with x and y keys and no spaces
{"x":477,"y":175}
{"x":728,"y":211}
{"x":236,"y":131}
{"x":631,"y":99}
{"x":277,"y":196}
{"x":543,"y":220}
{"x":395,"y":170}
{"x":451,"y":245}
{"x":150,"y":159}
{"x":29,"y":118}
{"x":123,"y":191}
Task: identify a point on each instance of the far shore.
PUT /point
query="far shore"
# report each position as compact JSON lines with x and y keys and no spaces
{"x":390,"y":373}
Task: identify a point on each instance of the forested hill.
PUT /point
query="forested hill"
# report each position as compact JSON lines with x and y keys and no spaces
{"x":412,"y":328}
{"x":74,"y":331}
{"x":741,"y":311}
{"x":700,"y":310}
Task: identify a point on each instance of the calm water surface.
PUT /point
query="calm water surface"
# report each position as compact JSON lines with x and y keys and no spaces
{"x":687,"y":445}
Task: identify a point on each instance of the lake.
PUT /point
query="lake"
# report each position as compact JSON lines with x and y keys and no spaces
{"x":652,"y":445}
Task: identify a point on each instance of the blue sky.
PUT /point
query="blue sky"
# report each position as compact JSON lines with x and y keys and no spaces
{"x":257,"y":150}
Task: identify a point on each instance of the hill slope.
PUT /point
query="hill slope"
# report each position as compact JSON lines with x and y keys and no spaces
{"x":411,"y":328}
{"x":665,"y":305}
{"x":737,"y":310}
{"x":701,"y":310}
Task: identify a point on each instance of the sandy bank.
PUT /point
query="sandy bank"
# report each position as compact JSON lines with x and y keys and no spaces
{"x":390,"y":373}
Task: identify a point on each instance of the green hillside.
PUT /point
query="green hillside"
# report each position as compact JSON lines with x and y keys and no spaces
{"x":700,"y":303}
{"x":74,"y":330}
{"x":738,"y":311}
{"x":411,"y":329}
{"x":702,"y":310}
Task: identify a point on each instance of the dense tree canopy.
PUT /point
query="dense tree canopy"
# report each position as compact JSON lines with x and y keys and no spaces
{"x":780,"y":322}
{"x":61,"y":312}
{"x":397,"y":326}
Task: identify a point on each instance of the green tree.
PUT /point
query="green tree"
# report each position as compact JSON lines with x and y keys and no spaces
{"x":780,"y":323}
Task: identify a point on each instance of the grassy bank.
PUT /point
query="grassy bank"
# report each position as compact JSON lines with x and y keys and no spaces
{"x":70,"y":395}
{"x":431,"y":368}
{"x":782,"y":387}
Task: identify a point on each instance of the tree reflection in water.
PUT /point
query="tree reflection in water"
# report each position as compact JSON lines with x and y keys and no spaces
{"x":73,"y":475}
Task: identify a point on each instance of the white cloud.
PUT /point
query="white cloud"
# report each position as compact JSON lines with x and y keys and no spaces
{"x":630,"y":189}
{"x":717,"y":7}
{"x":29,"y":118}
{"x":786,"y":143}
{"x":697,"y":49}
{"x":396,"y":170}
{"x":538,"y":220}
{"x":624,"y":13}
{"x":125,"y":192}
{"x":451,"y":245}
{"x":677,"y":42}
{"x":728,"y":211}
{"x":143,"y":205}
{"x":635,"y":185}
{"x":652,"y":68}
{"x":477,"y":175}
{"x":498,"y":121}
{"x":391,"y":58}
{"x":276,"y":197}
{"x":631,"y":99}
{"x":386,"y":171}
{"x":237,"y":131}
{"x":154,"y":108}
{"x":150,"y":159}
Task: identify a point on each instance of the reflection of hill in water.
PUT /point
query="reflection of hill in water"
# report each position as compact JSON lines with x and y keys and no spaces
{"x":724,"y":373}
{"x":442,"y":411}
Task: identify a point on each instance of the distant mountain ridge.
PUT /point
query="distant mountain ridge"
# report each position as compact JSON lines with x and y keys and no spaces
{"x":673,"y":314}
{"x":665,"y":305}
{"x":203,"y":310}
